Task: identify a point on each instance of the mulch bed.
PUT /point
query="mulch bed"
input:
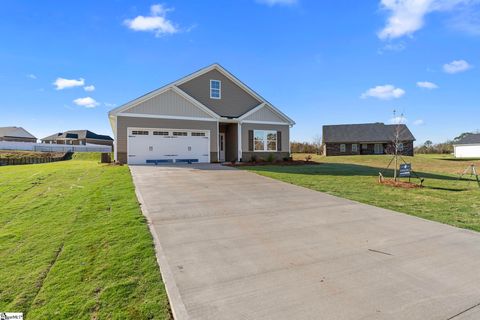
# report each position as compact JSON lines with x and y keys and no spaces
{"x":400,"y":184}
{"x":266,"y":163}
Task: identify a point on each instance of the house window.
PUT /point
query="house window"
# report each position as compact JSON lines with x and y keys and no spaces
{"x":179,"y":133}
{"x":160,"y":133}
{"x":378,"y":148}
{"x":364,"y":146}
{"x":343,"y":147}
{"x":400,"y":146}
{"x":265,"y":140}
{"x":198,"y":134}
{"x":139,"y":133}
{"x":354,"y":147}
{"x":215,"y":89}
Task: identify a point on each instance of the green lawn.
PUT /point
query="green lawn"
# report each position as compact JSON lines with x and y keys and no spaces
{"x":444,"y":198}
{"x":75,"y":245}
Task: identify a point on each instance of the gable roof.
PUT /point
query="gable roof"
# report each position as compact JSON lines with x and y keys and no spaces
{"x":365,"y":132}
{"x":77,"y":134}
{"x":175,"y":85}
{"x":15,"y":132}
{"x":472,"y":138}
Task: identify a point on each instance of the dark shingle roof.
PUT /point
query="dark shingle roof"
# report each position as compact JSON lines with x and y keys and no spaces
{"x":365,"y":132}
{"x":15,"y":132}
{"x":472,"y":138}
{"x":78,"y":134}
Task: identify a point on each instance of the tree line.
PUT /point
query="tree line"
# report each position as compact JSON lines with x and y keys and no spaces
{"x":443,"y":147}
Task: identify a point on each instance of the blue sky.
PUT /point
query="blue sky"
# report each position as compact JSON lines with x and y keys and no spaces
{"x":321,"y":62}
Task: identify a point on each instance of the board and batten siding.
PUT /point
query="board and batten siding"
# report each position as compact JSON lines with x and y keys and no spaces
{"x":234,"y":100}
{"x":265,"y":114}
{"x":168,"y":103}
{"x":139,"y":122}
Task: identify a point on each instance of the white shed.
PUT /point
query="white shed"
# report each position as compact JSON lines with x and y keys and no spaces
{"x":468,"y":147}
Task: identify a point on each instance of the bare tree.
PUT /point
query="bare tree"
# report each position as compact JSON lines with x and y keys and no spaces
{"x":396,"y":141}
{"x":317,"y":142}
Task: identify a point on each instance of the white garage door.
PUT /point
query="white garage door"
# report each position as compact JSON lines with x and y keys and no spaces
{"x":150,"y":146}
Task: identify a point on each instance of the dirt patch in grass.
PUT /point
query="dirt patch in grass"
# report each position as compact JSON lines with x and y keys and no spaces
{"x":29,"y":154}
{"x":399,"y":184}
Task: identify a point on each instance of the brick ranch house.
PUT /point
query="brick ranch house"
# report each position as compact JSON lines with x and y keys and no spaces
{"x":366,"y":139}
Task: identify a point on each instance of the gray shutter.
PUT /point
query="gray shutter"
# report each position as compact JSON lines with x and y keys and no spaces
{"x":250,"y":140}
{"x":279,"y":140}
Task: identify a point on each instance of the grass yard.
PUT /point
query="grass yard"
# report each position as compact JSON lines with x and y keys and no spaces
{"x":444,"y":198}
{"x":75,"y":245}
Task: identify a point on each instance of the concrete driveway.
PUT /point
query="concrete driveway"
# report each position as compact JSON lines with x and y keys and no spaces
{"x":235,"y":245}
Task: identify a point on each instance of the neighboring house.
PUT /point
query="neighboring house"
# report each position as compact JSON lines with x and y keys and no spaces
{"x":207,"y":116}
{"x":16,"y":134}
{"x":468,"y":146}
{"x":78,"y":137}
{"x":366,"y":138}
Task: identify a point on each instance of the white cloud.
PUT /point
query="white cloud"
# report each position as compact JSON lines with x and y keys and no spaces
{"x":156,"y":22}
{"x":89,"y":88}
{"x":385,"y":92}
{"x":62,"y":83}
{"x":110,"y":105}
{"x":279,"y":2}
{"x":407,"y":16}
{"x":398,"y":120}
{"x":86,"y":102}
{"x":426,"y":85}
{"x":418,"y":122}
{"x":31,"y":76}
{"x":456,"y":66}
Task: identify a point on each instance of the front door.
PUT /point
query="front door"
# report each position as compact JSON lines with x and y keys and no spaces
{"x":222,"y":146}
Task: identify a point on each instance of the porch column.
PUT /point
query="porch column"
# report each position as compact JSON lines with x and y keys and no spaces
{"x":239,"y":143}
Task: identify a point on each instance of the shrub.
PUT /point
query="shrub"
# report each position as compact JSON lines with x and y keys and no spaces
{"x":286,"y":159}
{"x":253,"y":158}
{"x":270,"y":157}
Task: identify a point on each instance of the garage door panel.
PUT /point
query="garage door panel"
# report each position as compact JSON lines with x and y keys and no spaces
{"x":144,"y":147}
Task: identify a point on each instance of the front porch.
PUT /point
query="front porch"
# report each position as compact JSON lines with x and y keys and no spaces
{"x":228,"y":142}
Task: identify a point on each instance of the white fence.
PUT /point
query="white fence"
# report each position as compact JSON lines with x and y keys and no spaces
{"x":31,"y":146}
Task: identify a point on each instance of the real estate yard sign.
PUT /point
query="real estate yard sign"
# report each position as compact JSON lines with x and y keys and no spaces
{"x":405,"y":170}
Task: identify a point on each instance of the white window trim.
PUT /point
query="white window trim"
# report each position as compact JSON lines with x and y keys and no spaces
{"x":219,"y":89}
{"x":343,"y":148}
{"x":265,"y":140}
{"x":356,"y":147}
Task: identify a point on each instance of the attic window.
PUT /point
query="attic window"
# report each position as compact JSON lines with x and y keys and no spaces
{"x":215,"y":89}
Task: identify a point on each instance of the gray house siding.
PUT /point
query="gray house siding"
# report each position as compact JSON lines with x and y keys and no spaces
{"x":169,"y":103}
{"x":278,"y":155}
{"x":124,"y":122}
{"x":265,"y":114}
{"x":234,"y":100}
